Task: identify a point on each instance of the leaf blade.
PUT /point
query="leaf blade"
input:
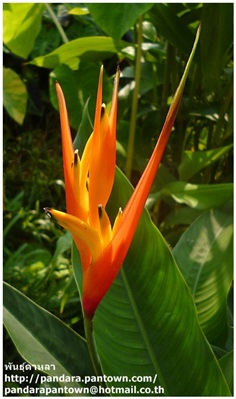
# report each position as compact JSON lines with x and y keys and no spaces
{"x":138,"y":334}
{"x":193,"y":162}
{"x":21,"y":26}
{"x":14,"y":95}
{"x":199,"y":196}
{"x":39,"y":336}
{"x":86,"y":48}
{"x":106,"y":16}
{"x":204,"y":255}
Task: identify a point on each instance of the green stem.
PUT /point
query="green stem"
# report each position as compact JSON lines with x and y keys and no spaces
{"x":130,"y":149}
{"x":55,"y":20}
{"x":89,"y":335}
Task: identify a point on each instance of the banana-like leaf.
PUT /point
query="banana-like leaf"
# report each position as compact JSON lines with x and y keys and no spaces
{"x":92,"y":48}
{"x":193,"y":162}
{"x":14,"y":95}
{"x":21,"y":26}
{"x":204,"y":254}
{"x":227,"y":363}
{"x":106,"y":16}
{"x":172,"y":26}
{"x":147,"y":324}
{"x":215,"y":48}
{"x":42,"y":339}
{"x":199,"y":196}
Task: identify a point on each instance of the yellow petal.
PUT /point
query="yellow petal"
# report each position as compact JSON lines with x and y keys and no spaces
{"x":79,"y":229}
{"x":105,"y":226}
{"x":117,"y":222}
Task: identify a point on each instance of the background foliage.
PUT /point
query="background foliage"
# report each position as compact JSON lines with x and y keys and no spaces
{"x":193,"y":187}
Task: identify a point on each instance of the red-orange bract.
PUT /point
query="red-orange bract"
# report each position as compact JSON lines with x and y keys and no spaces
{"x":89,"y":180}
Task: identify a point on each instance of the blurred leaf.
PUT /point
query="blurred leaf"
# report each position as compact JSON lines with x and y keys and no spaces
{"x":199,"y":196}
{"x":63,"y":244}
{"x":21,"y":26}
{"x":78,"y":11}
{"x":94,"y":48}
{"x":159,"y":335}
{"x":40,"y":337}
{"x":172,"y":27}
{"x":204,"y":254}
{"x":183,"y":216}
{"x":193,"y":162}
{"x":107,"y":16}
{"x":47,"y":41}
{"x":14,"y":95}
{"x":149,"y":31}
{"x":215,"y":47}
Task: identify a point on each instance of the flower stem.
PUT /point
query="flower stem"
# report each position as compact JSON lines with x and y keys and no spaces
{"x":130,"y":149}
{"x":55,"y":20}
{"x":88,"y":328}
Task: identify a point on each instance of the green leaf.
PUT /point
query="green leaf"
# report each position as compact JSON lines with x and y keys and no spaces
{"x":172,"y":27}
{"x":182,"y":216}
{"x":204,"y":254}
{"x":193,"y":162}
{"x":21,"y":26}
{"x":14,"y":95}
{"x":42,"y":339}
{"x":147,"y":322}
{"x":215,"y":47}
{"x":199,"y":196}
{"x":94,"y":48}
{"x":117,"y":20}
{"x":78,"y":11}
{"x":227,"y":364}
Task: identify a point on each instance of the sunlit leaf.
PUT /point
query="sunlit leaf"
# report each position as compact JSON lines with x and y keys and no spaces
{"x":199,"y":196}
{"x":78,"y":11}
{"x":147,"y":322}
{"x":92,"y":48}
{"x":14,"y":95}
{"x":42,"y":339}
{"x":21,"y":26}
{"x":204,"y":254}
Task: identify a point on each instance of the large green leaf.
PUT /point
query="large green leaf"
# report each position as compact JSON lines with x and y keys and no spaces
{"x":43,"y":339}
{"x":199,"y":196}
{"x":14,"y":95}
{"x":204,"y":254}
{"x":227,"y":364}
{"x":147,"y":324}
{"x":172,"y":27}
{"x":215,"y":47}
{"x":117,"y":20}
{"x":92,"y":48}
{"x":195,"y":161}
{"x":21,"y":26}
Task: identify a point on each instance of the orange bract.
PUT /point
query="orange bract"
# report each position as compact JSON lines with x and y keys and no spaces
{"x":89,"y":182}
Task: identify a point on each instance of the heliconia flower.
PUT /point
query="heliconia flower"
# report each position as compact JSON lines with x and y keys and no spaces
{"x":89,"y":180}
